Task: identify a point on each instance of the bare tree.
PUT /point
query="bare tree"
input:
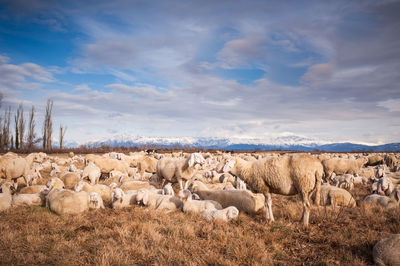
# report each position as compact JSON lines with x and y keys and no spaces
{"x":21,"y":126}
{"x":16,"y":120}
{"x":48,"y":126}
{"x":1,"y":123}
{"x":31,"y":129}
{"x":5,"y":141}
{"x":63,"y":129}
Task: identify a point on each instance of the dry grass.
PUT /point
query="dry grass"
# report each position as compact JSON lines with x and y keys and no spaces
{"x":34,"y":235}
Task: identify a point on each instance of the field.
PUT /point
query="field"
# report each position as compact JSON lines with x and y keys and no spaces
{"x":34,"y":235}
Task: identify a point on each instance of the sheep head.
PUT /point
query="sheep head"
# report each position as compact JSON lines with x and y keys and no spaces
{"x":184,"y":194}
{"x":232,"y":213}
{"x":196,"y":158}
{"x":230,"y":167}
{"x":95,"y":200}
{"x":79,"y":186}
{"x":117,"y":194}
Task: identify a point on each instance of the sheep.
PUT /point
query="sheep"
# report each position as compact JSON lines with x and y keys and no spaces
{"x":95,"y":201}
{"x":92,"y":171}
{"x":345,"y":181}
{"x":177,"y":170}
{"x":367,"y":172}
{"x":120,"y":199}
{"x":342,"y":166}
{"x":196,"y":206}
{"x":384,"y":186}
{"x":106,"y":165}
{"x":168,"y":190}
{"x":390,"y":160}
{"x":13,"y":168}
{"x":286,"y":175}
{"x":6,"y":196}
{"x":72,"y":168}
{"x":387,"y":251}
{"x":70,"y":179}
{"x":103,"y":190}
{"x":32,"y":189}
{"x":63,"y":201}
{"x":147,"y":164}
{"x":116,"y":174}
{"x":227,"y":214}
{"x":135,"y":185}
{"x":357,"y":179}
{"x":374,"y":160}
{"x":55,"y":182}
{"x":390,"y":202}
{"x":332,"y":195}
{"x":244,"y":200}
{"x":157,"y":201}
{"x":37,"y":199}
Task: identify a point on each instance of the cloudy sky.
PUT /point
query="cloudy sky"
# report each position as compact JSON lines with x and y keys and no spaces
{"x":323,"y":69}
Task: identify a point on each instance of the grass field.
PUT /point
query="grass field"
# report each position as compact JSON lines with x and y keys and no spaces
{"x":34,"y":235}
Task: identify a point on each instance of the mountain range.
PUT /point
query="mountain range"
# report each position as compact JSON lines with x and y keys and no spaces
{"x":286,"y":142}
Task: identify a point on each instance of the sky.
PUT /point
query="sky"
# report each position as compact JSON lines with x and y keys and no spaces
{"x":328,"y":70}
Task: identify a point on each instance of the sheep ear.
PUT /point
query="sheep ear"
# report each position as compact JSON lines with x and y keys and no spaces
{"x":186,"y":184}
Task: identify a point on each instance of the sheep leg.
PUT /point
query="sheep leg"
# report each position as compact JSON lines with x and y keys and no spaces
{"x":180,"y":184}
{"x":306,"y":208}
{"x":268,"y":207}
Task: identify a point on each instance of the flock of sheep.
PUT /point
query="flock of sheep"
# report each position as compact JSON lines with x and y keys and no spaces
{"x":217,"y":186}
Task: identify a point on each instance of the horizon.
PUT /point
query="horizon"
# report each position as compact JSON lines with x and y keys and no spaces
{"x":246,"y":69}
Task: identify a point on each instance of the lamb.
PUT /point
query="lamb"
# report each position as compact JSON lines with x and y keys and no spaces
{"x":227,"y":214}
{"x":331,"y":195}
{"x":178,"y":170}
{"x":342,"y":166}
{"x":196,"y":206}
{"x":120,"y":199}
{"x":5,"y":197}
{"x":92,"y":171}
{"x":286,"y":175}
{"x":345,"y":181}
{"x":103,"y":190}
{"x":32,"y":175}
{"x":157,"y":201}
{"x":387,"y":251}
{"x":390,"y":202}
{"x":384,"y":186}
{"x":244,"y":200}
{"x":95,"y":201}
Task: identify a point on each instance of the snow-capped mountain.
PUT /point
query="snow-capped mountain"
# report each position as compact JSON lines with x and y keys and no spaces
{"x":283,"y":142}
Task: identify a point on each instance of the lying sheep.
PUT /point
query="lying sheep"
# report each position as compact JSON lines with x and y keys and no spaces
{"x":332,"y":195}
{"x":95,"y":201}
{"x":178,"y":170}
{"x":33,"y":175}
{"x":32,"y":189}
{"x":92,"y":171}
{"x":227,"y":214}
{"x":390,"y":202}
{"x":286,"y":175}
{"x":63,"y":201}
{"x":196,"y":206}
{"x":157,"y":201}
{"x":244,"y":200}
{"x":390,"y":160}
{"x":384,"y":186}
{"x":374,"y":160}
{"x":387,"y":251}
{"x":6,"y":196}
{"x":55,"y":182}
{"x":135,"y":185}
{"x":70,"y":179}
{"x":37,"y":199}
{"x":103,"y":190}
{"x":120,"y":199}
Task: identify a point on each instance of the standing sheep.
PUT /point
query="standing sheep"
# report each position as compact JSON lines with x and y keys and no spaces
{"x":342,"y":166}
{"x":148,"y":164}
{"x":178,"y":170}
{"x":286,"y":175}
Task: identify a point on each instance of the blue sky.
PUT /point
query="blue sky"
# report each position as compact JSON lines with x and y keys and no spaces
{"x":325,"y":70}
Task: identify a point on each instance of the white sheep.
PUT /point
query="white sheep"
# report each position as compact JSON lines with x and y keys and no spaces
{"x":178,"y":170}
{"x":332,"y":195}
{"x":387,"y":251}
{"x":227,"y":214}
{"x":55,"y":182}
{"x":390,"y":202}
{"x":157,"y":201}
{"x":384,"y":186}
{"x":103,"y":190}
{"x":64,"y":201}
{"x":120,"y":199}
{"x":95,"y":201}
{"x":6,"y":197}
{"x":37,"y":199}
{"x":286,"y":175}
{"x":168,"y":190}
{"x":93,"y":172}
{"x":196,"y":206}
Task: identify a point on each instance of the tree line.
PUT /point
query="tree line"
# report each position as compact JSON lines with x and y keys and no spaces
{"x":24,"y":136}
